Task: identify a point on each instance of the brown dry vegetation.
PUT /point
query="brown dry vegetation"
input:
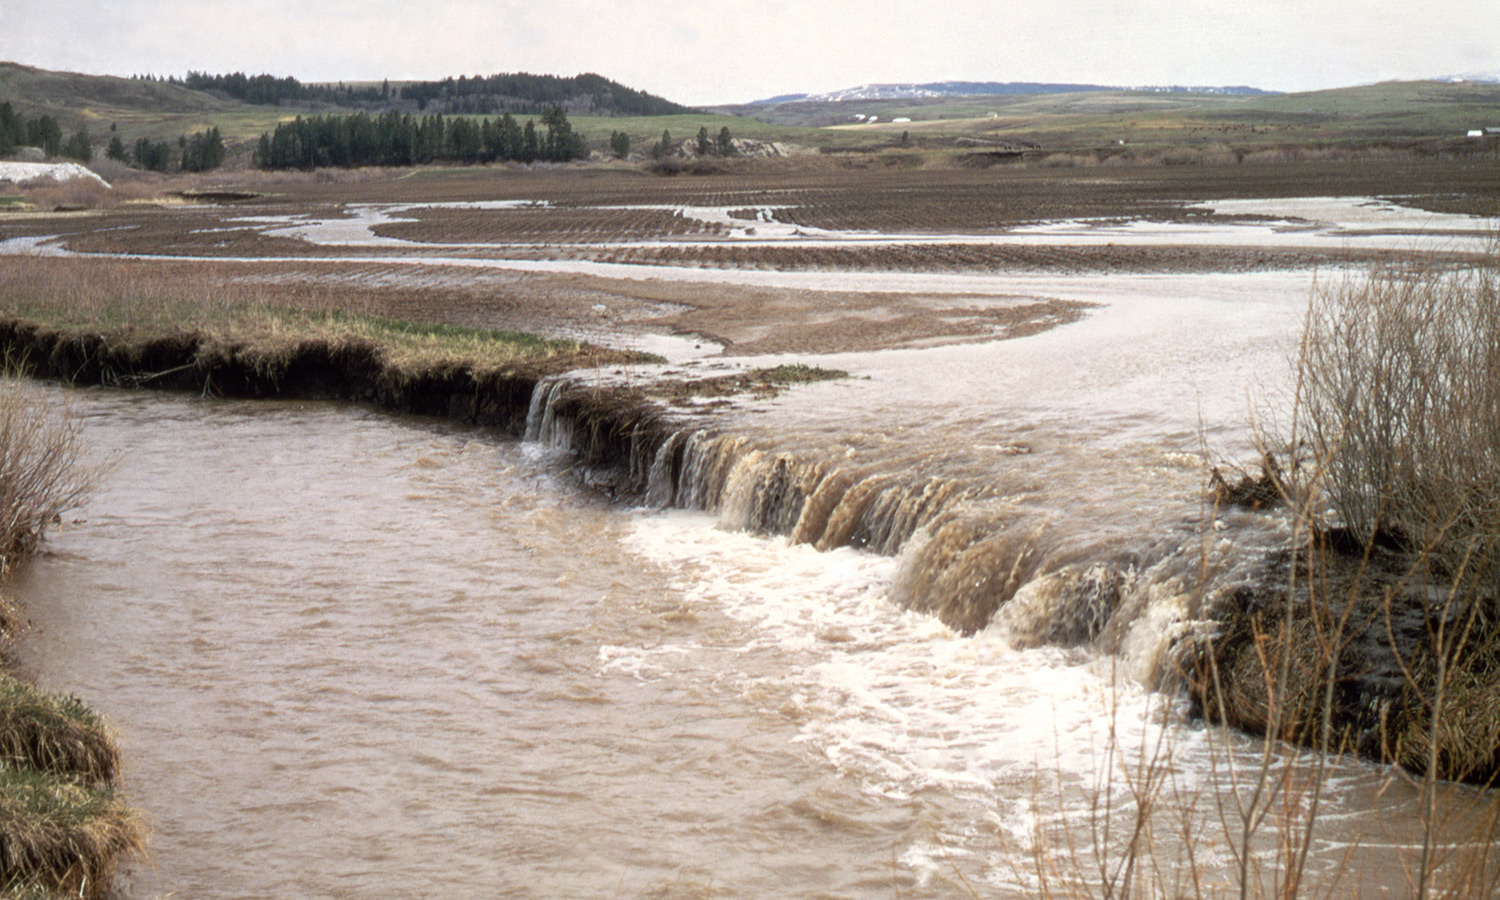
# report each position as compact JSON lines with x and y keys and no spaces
{"x":1375,"y":633}
{"x":1383,"y":622}
{"x":137,"y":302}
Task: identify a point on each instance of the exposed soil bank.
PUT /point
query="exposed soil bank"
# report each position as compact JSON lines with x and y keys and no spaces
{"x":1347,"y":653}
{"x":349,"y":370}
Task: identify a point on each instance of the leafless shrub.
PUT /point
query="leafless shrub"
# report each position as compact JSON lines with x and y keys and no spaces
{"x":43,"y":467}
{"x":1399,"y":392}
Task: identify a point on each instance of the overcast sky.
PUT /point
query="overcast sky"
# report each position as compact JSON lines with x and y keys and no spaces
{"x":721,"y":51}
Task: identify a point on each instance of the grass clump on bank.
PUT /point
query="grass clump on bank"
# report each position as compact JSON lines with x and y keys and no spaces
{"x":61,"y":837}
{"x":54,"y":734}
{"x":63,"y":830}
{"x":796,"y":373}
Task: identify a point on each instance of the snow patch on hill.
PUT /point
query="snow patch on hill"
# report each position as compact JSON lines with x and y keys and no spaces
{"x":28,"y":173}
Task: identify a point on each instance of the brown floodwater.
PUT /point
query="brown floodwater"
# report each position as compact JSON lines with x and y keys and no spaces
{"x":352,"y":655}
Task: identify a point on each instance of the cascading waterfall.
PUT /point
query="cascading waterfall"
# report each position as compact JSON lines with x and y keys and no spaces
{"x":967,"y":556}
{"x":542,"y":425}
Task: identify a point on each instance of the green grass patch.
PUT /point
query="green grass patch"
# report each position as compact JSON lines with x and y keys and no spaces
{"x":60,"y":837}
{"x":54,"y":734}
{"x":796,"y":373}
{"x":413,"y":343}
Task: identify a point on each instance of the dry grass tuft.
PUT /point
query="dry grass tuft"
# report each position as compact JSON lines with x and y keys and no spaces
{"x":62,"y":829}
{"x":62,"y":837}
{"x":54,"y":734}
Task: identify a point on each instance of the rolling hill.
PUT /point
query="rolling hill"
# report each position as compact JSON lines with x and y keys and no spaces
{"x":911,"y":119}
{"x":243,"y":107}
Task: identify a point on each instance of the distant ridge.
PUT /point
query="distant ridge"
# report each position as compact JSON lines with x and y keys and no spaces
{"x":1476,"y":77}
{"x":986,"y":88}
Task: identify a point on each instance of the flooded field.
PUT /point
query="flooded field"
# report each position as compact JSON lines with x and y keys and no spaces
{"x":361,"y":656}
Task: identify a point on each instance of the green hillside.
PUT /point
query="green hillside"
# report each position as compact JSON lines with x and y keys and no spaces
{"x":1097,"y":124}
{"x":136,"y":107}
{"x":1393,"y":111}
{"x":164,"y":109}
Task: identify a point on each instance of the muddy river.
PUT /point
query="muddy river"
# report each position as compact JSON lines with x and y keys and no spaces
{"x":358,"y":656}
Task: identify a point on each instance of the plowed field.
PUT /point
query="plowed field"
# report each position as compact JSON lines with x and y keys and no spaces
{"x":611,"y":255}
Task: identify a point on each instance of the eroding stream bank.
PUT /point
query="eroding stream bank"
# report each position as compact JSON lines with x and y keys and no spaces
{"x":968,"y":555}
{"x":974,"y":555}
{"x":935,"y":738}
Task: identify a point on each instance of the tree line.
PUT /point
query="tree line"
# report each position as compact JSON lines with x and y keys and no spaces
{"x":201,"y":152}
{"x":43,"y":131}
{"x":519,"y":93}
{"x":268,"y":90}
{"x":523,"y":94}
{"x":401,"y":139}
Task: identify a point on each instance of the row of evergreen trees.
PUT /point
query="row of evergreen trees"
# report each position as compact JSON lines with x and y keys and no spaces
{"x":518,"y":93}
{"x":268,"y":90}
{"x":203,"y":151}
{"x":396,"y":139}
{"x":43,"y":131}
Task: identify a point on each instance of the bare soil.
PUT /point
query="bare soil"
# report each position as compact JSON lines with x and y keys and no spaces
{"x":583,"y":221}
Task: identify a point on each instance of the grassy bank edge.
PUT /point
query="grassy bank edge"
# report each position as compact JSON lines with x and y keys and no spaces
{"x":63,"y":827}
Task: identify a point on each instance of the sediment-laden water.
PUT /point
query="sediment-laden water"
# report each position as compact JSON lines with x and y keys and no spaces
{"x":356,"y":656}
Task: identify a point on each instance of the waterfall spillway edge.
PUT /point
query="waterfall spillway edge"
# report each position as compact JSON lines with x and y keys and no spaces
{"x":967,"y":555}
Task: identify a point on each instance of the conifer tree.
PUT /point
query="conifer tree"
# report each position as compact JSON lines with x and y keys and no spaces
{"x":80,"y":147}
{"x":619,"y":144}
{"x":44,"y":132}
{"x":530,"y":148}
